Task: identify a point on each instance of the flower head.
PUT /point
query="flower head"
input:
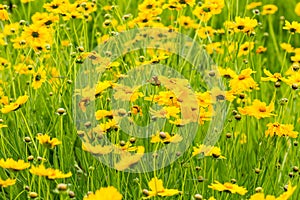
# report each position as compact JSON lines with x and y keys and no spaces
{"x":228,"y":187}
{"x":107,"y":193}
{"x":157,"y":189}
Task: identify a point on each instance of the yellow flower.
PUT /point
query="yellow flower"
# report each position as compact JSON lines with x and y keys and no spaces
{"x":293,"y":27}
{"x":261,"y":49}
{"x":281,"y":130}
{"x":7,"y":182}
{"x":228,"y":187}
{"x":253,"y":5}
{"x":3,"y":13}
{"x":297,"y":9}
{"x":287,"y":47}
{"x":166,"y":138}
{"x":269,"y":9}
{"x":15,"y":165}
{"x":100,"y":114}
{"x":258,"y":109}
{"x":127,"y":159}
{"x":48,"y":172}
{"x":97,"y":149}
{"x":157,"y":189}
{"x":207,"y":151}
{"x":107,"y":193}
{"x":261,"y":196}
{"x":245,"y":25}
{"x":205,"y":32}
{"x":186,"y":22}
{"x":15,"y":105}
{"x":271,"y":77}
{"x":243,"y":82}
{"x":246,"y":48}
{"x":37,"y":34}
{"x":45,"y":140}
{"x":284,"y":196}
{"x":39,"y":78}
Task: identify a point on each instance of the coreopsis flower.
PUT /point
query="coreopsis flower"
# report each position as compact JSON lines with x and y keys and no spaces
{"x":214,"y":47}
{"x":4,"y":63}
{"x":107,"y":193}
{"x":45,"y":140}
{"x":253,"y":5}
{"x":3,"y":13}
{"x":228,"y":187}
{"x":11,"y":29}
{"x":39,"y":78}
{"x":258,"y":109}
{"x":205,"y":32}
{"x":7,"y":182}
{"x":261,"y":49}
{"x":152,"y":7}
{"x":15,"y":105}
{"x":203,"y":12}
{"x":293,"y":27}
{"x":245,"y":48}
{"x":97,"y":149}
{"x":269,"y":9}
{"x":14,"y":165}
{"x":243,"y":81}
{"x":227,"y":73}
{"x":284,"y":196}
{"x":157,"y":189}
{"x":294,"y":78}
{"x":127,"y":159}
{"x":110,"y":124}
{"x":281,"y":130}
{"x":271,"y":77}
{"x":37,"y":34}
{"x":50,"y":173}
{"x":186,"y":22}
{"x":165,"y":138}
{"x":297,"y":9}
{"x":207,"y":151}
{"x":245,"y":25}
{"x":287,"y":47}
{"x":100,"y":114}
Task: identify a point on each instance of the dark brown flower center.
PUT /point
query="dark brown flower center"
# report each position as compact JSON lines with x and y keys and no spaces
{"x":35,"y":34}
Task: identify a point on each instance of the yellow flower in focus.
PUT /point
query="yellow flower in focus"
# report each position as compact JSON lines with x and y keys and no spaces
{"x":15,"y":105}
{"x":281,"y":130}
{"x":208,"y":151}
{"x":284,"y":196}
{"x":271,"y":77}
{"x":228,"y":187}
{"x":246,"y":48}
{"x":3,"y":13}
{"x":107,"y":193}
{"x":243,"y":82}
{"x":258,"y":109}
{"x":157,"y":189}
{"x":48,"y":172}
{"x":7,"y":182}
{"x":45,"y":140}
{"x":293,"y":27}
{"x":100,"y":114}
{"x":39,"y":78}
{"x":14,"y":165}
